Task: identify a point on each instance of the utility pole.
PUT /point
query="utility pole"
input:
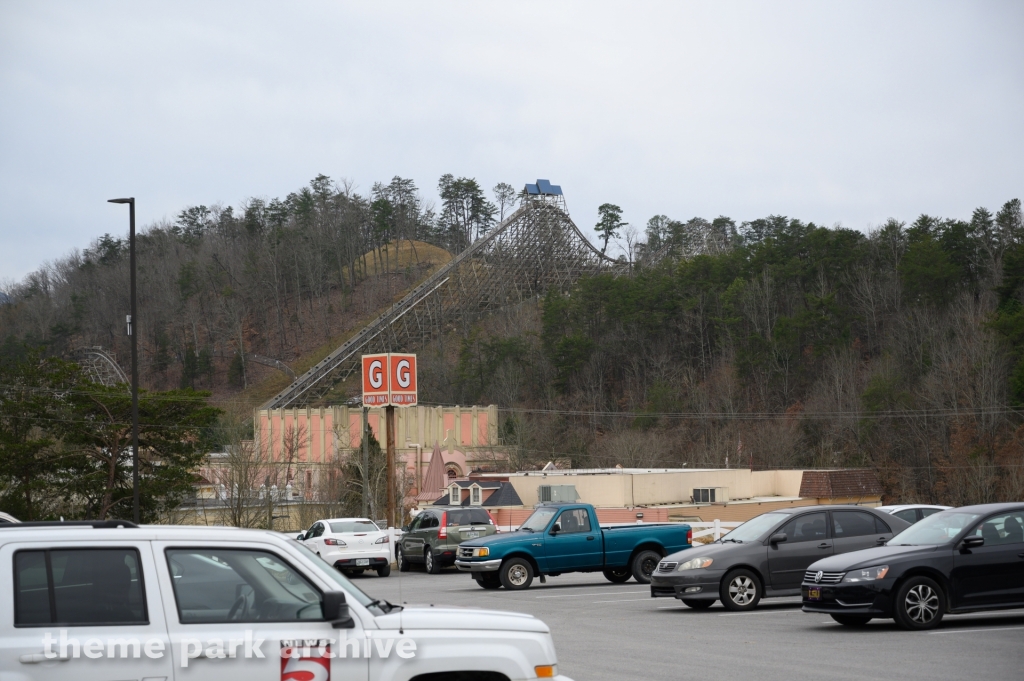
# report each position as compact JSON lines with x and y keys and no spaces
{"x":389,"y":413}
{"x":366,"y":463}
{"x":133,"y":333}
{"x":270,"y":504}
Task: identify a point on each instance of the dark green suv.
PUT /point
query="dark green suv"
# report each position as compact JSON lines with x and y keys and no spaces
{"x":433,"y":537}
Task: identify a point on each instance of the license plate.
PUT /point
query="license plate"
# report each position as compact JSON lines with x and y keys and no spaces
{"x":362,"y":561}
{"x":814,"y":594}
{"x":470,"y":535}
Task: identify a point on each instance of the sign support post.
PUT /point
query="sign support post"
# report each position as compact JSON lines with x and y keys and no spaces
{"x":366,"y":463}
{"x":389,"y":414}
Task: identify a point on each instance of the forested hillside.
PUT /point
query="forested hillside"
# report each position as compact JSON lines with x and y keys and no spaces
{"x":226,"y":295}
{"x":771,"y":343}
{"x":777,"y":343}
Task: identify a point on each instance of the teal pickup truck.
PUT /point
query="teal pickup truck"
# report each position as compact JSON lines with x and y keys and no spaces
{"x":561,"y":538}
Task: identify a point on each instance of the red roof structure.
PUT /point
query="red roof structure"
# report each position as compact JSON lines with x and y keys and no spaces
{"x":832,"y":484}
{"x":435,"y":482}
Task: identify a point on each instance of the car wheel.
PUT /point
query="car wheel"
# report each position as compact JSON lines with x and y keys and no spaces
{"x":618,"y":575}
{"x":851,"y":620}
{"x":698,"y":605}
{"x":403,"y":564}
{"x":384,"y":571}
{"x":488,"y":580}
{"x":516,"y":574}
{"x":644,"y":565}
{"x":433,"y":567}
{"x":920,"y":604}
{"x":741,"y":590}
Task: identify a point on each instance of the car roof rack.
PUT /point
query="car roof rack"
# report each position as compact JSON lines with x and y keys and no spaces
{"x":98,"y":524}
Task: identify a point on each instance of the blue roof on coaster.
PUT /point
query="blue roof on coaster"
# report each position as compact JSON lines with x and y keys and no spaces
{"x":546,"y":187}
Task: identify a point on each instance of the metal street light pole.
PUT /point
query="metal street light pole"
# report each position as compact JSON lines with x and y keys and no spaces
{"x":133,"y":334}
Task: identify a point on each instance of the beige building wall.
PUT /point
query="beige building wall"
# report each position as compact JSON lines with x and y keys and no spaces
{"x":649,"y":489}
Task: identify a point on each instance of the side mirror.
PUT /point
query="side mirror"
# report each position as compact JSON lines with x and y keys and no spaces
{"x":556,"y":528}
{"x":405,"y":528}
{"x":302,"y":536}
{"x":881,"y":541}
{"x":777,"y":538}
{"x":972,"y":542}
{"x":335,"y":610}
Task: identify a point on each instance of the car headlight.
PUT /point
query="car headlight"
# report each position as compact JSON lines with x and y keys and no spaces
{"x":481,"y":552}
{"x":696,"y":563}
{"x":867,"y":574}
{"x":382,"y":540}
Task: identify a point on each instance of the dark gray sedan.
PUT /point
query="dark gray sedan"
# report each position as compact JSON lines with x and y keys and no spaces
{"x":768,"y":555}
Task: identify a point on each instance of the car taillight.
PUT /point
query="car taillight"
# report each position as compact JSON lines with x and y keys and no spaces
{"x":689,"y":535}
{"x":443,"y":532}
{"x":382,"y":540}
{"x":334,"y":542}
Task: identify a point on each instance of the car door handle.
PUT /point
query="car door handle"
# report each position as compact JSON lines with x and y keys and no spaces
{"x":824,"y":545}
{"x":36,"y":658}
{"x":1020,"y":555}
{"x":590,"y":538}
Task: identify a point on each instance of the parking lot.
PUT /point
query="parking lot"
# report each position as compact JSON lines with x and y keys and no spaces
{"x":616,"y":632}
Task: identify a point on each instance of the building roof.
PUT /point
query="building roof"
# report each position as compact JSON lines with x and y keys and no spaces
{"x":482,"y":484}
{"x":435,"y":480}
{"x":505,"y":496}
{"x":830,"y":484}
{"x":569,"y":472}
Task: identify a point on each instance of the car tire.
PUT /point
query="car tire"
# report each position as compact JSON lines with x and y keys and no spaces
{"x":740,"y":590}
{"x":516,"y":574}
{"x":852,"y":620}
{"x":643,"y":566}
{"x":920,"y":604}
{"x":618,"y":575}
{"x":697,"y":604}
{"x":403,"y":562}
{"x":384,"y":571}
{"x":430,"y":562}
{"x":488,"y":580}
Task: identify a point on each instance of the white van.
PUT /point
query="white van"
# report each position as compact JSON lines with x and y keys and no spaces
{"x":110,"y":601}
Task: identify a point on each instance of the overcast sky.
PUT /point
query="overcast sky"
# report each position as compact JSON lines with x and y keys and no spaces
{"x":831,"y":112}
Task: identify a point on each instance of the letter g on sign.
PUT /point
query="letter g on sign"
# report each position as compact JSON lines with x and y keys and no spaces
{"x":376,"y":373}
{"x":403,"y":374}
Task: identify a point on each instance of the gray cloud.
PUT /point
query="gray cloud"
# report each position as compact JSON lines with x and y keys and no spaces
{"x":832,"y":112}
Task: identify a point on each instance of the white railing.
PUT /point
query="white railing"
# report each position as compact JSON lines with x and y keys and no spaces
{"x":393,"y":534}
{"x":714,"y":528}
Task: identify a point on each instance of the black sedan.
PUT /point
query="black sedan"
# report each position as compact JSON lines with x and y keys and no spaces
{"x":768,"y":555}
{"x":961,"y":560}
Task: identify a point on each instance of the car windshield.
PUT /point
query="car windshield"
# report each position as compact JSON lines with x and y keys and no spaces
{"x":754,"y":529}
{"x":937,"y":528}
{"x":350,"y":589}
{"x":539,"y":520}
{"x":343,"y":526}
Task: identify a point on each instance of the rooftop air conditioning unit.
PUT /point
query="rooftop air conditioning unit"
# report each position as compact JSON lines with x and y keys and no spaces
{"x":710,"y":495}
{"x":557,"y":493}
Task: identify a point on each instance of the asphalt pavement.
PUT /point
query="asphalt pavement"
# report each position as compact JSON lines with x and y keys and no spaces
{"x":617,"y":632}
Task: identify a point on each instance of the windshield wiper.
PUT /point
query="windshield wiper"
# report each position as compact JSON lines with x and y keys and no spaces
{"x":526,"y":529}
{"x":735,"y":541}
